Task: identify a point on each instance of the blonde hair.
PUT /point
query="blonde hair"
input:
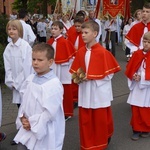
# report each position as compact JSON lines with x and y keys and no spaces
{"x":17,"y":24}
{"x":146,"y":36}
{"x":91,"y":25}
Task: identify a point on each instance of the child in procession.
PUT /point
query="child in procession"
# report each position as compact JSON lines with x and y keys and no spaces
{"x":138,"y":74}
{"x":40,"y":119}
{"x":95,"y":89}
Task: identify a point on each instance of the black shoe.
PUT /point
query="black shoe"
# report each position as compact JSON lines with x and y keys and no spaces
{"x":67,"y":118}
{"x":2,"y":136}
{"x":109,"y":139}
{"x":75,"y":105}
{"x":13,"y":142}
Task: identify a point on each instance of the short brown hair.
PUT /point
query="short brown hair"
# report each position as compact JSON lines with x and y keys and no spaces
{"x":58,"y":23}
{"x":78,"y":19}
{"x":17,"y":24}
{"x":91,"y":25}
{"x":146,"y":5}
{"x":42,"y":47}
{"x":146,"y":36}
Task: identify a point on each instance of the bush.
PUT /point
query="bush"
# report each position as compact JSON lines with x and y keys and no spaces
{"x":2,"y":72}
{"x":3,"y":34}
{"x":3,"y":43}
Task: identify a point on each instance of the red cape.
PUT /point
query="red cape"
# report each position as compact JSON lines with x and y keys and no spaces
{"x":135,"y":62}
{"x":64,"y":50}
{"x":136,"y":32}
{"x":102,"y":62}
{"x":72,"y":36}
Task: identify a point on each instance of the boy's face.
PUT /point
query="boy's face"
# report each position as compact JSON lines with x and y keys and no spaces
{"x":56,"y":31}
{"x":40,"y":62}
{"x":146,"y":45}
{"x":88,"y":35}
{"x":13,"y":33}
{"x":78,"y":26}
{"x":146,"y":14}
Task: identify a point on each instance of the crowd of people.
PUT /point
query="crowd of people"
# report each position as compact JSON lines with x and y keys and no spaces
{"x":53,"y":64}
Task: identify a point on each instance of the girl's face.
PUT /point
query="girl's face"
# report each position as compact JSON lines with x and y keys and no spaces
{"x":13,"y":33}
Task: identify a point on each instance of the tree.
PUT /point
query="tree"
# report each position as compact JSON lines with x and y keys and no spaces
{"x":19,"y":4}
{"x":137,"y":4}
{"x":34,"y":5}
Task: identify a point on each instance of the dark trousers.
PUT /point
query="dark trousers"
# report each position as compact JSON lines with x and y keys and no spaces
{"x":113,"y":42}
{"x":127,"y":51}
{"x":42,"y":39}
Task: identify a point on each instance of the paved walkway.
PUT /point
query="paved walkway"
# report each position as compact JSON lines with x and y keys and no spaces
{"x":71,"y":142}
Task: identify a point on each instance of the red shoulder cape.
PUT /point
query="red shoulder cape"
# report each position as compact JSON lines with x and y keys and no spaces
{"x":135,"y":62}
{"x":72,"y":36}
{"x":102,"y":62}
{"x":136,"y":32}
{"x":64,"y":50}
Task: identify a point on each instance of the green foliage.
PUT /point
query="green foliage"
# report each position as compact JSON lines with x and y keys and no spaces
{"x":19,"y":4}
{"x":3,"y":43}
{"x":2,"y":72}
{"x":33,"y":5}
{"x":3,"y":34}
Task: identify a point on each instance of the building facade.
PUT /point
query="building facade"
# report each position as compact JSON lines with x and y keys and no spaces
{"x":6,"y":6}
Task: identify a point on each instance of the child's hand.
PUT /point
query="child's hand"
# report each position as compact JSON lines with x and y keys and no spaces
{"x":136,"y":77}
{"x":25,"y":123}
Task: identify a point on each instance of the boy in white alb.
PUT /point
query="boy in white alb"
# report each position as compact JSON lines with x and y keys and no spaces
{"x":40,"y":119}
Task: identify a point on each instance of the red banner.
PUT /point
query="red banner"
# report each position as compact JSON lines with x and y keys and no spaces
{"x":114,"y":7}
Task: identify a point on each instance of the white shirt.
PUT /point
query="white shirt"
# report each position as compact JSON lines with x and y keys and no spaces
{"x":139,"y":91}
{"x":42,"y":106}
{"x":100,"y":29}
{"x":18,"y":66}
{"x":28,"y":34}
{"x":109,"y":25}
{"x":42,"y":29}
{"x":62,"y":70}
{"x":95,"y":93}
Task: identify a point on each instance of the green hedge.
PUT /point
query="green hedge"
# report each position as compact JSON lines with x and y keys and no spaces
{"x":2,"y":72}
{"x":3,"y":43}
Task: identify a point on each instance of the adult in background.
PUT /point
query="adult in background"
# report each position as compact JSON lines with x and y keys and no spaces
{"x":28,"y":34}
{"x":110,"y":27}
{"x":126,"y":29}
{"x":92,"y":17}
{"x":137,"y":16}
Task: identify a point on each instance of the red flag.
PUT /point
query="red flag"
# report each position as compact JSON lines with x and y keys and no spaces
{"x":127,"y":10}
{"x":114,"y":7}
{"x":97,"y":8}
